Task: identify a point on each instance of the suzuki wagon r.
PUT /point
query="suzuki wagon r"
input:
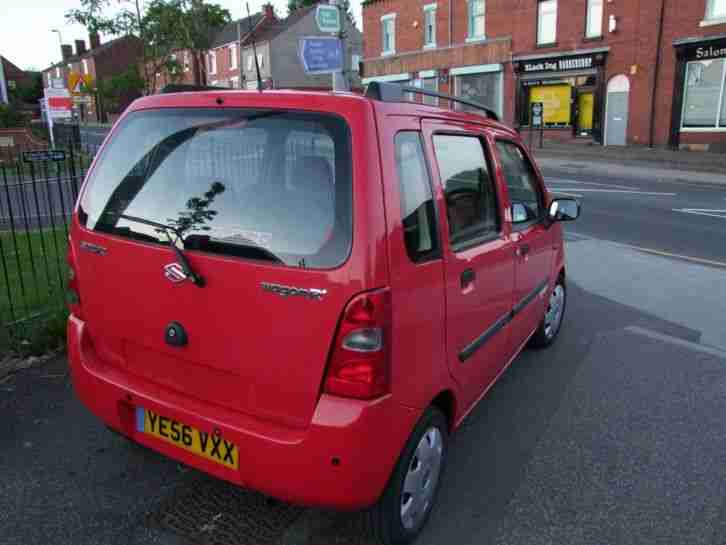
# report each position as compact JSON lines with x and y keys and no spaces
{"x":305,"y":293}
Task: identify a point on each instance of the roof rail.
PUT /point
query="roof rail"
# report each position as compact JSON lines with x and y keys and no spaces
{"x":393,"y":92}
{"x":189,"y":88}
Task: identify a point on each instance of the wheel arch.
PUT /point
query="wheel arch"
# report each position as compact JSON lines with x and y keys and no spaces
{"x":445,"y":401}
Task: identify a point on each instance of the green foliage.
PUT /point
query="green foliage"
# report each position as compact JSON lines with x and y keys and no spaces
{"x":29,"y":92}
{"x":11,"y":117}
{"x":164,"y":26}
{"x":112,"y":90}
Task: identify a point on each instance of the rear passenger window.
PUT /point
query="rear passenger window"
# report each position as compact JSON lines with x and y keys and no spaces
{"x":471,"y":204}
{"x":521,"y":182}
{"x":417,"y":205}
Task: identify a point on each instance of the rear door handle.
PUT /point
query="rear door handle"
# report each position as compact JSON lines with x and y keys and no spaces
{"x":467,"y":278}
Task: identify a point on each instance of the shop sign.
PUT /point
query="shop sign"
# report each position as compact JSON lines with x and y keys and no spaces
{"x":715,"y":49}
{"x":564,"y":64}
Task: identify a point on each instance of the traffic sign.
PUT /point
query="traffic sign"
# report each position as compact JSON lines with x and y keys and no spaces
{"x":328,"y":18}
{"x":321,"y":55}
{"x":39,"y":156}
{"x":537,"y":114}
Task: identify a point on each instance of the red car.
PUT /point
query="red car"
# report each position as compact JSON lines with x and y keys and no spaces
{"x":305,"y":293}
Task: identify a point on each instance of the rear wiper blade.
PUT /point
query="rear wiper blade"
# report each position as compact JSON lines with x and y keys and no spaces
{"x":181,"y":259}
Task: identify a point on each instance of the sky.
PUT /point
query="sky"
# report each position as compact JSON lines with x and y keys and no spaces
{"x":26,"y":27}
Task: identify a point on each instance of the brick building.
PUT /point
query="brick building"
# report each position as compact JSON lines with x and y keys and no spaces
{"x":13,"y":77}
{"x":88,"y":65}
{"x":612,"y":71}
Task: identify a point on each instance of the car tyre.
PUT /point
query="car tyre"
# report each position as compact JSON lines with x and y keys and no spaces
{"x":411,"y":492}
{"x":551,"y":323}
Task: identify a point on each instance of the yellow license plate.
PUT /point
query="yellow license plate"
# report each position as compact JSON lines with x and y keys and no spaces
{"x":206,"y":445}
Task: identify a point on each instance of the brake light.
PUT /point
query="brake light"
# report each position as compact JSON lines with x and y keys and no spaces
{"x":73,"y":296}
{"x":359,"y":365}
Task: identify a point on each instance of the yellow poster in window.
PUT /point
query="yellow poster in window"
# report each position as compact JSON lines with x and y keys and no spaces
{"x":556,"y":100}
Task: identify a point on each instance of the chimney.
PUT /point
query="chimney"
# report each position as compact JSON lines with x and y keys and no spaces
{"x":66,"y":51}
{"x":269,"y":11}
{"x":94,"y":40}
{"x":80,"y":47}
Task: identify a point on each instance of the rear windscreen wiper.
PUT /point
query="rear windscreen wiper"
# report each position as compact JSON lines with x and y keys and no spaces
{"x":181,"y":259}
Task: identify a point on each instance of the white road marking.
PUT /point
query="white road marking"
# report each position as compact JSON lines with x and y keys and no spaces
{"x":677,"y":341}
{"x":622,"y":191}
{"x":703,"y":212}
{"x":563,"y":181}
{"x":566,"y":194}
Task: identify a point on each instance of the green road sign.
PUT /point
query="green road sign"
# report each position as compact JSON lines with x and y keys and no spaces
{"x":328,"y":18}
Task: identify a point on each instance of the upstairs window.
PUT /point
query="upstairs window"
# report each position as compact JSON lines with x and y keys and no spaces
{"x":85,"y":66}
{"x":477,"y":30}
{"x":546,"y":22}
{"x":594,"y":19}
{"x":716,"y":9}
{"x":388,"y":28}
{"x":430,"y":25}
{"x":212,"y":62}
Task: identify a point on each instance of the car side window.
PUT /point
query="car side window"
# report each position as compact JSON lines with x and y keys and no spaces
{"x":417,"y":203}
{"x":521,"y":182}
{"x":471,"y":204}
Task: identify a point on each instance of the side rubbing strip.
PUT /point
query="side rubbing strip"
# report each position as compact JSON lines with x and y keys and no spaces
{"x":477,"y":343}
{"x":484,"y":337}
{"x":519,"y":307}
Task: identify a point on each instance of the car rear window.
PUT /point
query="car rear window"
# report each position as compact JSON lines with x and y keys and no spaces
{"x":228,"y":180}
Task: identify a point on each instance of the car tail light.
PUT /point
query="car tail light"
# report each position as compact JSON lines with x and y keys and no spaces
{"x":359,"y":365}
{"x":73,"y":295}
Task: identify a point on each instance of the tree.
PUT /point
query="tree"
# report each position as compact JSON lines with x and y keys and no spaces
{"x":28,"y":91}
{"x":164,"y":26}
{"x":113,"y":90}
{"x":12,"y":117}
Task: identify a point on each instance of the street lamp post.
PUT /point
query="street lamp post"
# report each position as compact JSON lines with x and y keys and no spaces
{"x":60,"y":40}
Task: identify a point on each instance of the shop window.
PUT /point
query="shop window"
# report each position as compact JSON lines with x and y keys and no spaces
{"x":388,"y":28}
{"x":546,"y":22}
{"x":430,"y":25}
{"x":557,"y":101}
{"x":430,"y":84}
{"x":477,"y":29}
{"x":704,"y":103}
{"x":417,"y":204}
{"x":716,"y":9}
{"x":485,"y":89}
{"x":594,"y":18}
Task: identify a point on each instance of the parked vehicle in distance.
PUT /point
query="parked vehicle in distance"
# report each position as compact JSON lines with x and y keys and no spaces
{"x":305,"y":293}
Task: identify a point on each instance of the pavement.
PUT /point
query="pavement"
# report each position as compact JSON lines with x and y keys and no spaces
{"x":613,"y":435}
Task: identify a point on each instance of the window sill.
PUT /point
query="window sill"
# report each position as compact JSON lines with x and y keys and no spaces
{"x":546,"y":46}
{"x":703,"y":129}
{"x":593,"y":38}
{"x":475,"y":39}
{"x":387,"y":53}
{"x":712,"y":22}
{"x":427,"y":47}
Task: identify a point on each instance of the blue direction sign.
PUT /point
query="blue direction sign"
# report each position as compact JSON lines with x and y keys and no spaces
{"x":321,"y":55}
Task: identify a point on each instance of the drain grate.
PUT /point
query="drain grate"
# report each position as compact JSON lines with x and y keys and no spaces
{"x":211,"y":512}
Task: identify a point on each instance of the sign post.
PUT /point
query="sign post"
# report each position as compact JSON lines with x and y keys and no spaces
{"x":536,"y":121}
{"x":58,"y":105}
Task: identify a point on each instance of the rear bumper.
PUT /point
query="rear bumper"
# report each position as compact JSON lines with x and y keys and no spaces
{"x":364,"y":438}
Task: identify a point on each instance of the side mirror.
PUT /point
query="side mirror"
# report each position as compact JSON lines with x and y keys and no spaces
{"x":564,"y":210}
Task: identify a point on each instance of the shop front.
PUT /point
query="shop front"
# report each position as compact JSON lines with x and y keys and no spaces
{"x":569,"y":85}
{"x":699,"y":96}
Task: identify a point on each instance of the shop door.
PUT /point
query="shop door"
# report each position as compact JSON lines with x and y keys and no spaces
{"x":585,"y":109}
{"x":616,"y":118}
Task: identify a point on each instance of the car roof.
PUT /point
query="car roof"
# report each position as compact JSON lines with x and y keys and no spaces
{"x":196,"y":99}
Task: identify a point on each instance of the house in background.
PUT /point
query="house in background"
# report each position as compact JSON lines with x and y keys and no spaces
{"x":86,"y":67}
{"x":278,"y":58}
{"x":14,"y":77}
